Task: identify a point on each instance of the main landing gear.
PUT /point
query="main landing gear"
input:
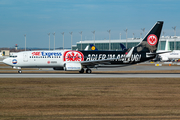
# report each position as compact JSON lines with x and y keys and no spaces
{"x":87,"y":70}
{"x":19,"y":71}
{"x":81,"y":71}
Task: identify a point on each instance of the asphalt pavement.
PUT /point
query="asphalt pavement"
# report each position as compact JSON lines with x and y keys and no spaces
{"x":100,"y":75}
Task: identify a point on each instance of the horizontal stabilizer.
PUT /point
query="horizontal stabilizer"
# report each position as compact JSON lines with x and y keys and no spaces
{"x":158,"y":53}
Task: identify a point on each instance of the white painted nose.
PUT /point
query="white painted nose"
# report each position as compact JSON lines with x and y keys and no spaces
{"x":6,"y":61}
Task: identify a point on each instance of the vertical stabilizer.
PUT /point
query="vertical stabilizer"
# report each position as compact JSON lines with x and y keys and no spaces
{"x":151,"y":40}
{"x":93,"y":48}
{"x":167,"y":46}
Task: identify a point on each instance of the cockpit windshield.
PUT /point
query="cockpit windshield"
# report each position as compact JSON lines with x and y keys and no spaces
{"x":14,"y":56}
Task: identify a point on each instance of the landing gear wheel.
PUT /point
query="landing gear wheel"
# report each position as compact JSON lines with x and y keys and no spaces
{"x":88,"y":71}
{"x":81,"y":71}
{"x":20,"y":71}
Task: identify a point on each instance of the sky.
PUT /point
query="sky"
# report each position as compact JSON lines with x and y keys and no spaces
{"x":37,"y":18}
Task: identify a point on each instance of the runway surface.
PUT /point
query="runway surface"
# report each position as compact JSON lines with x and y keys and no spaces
{"x":103,"y":72}
{"x":99,"y":75}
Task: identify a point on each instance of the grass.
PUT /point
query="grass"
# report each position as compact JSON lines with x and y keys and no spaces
{"x":92,"y":98}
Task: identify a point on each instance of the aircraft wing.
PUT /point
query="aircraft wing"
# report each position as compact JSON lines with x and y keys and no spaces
{"x":96,"y":62}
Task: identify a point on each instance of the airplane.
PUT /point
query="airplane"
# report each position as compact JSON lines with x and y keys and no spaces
{"x":93,"y":47}
{"x":175,"y":54}
{"x":72,"y":60}
{"x":87,"y":47}
{"x":123,"y":47}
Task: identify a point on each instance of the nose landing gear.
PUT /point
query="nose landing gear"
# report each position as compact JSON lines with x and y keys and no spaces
{"x":19,"y":71}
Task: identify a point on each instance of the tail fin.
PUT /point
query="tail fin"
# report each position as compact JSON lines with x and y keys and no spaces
{"x":167,"y":45}
{"x":123,"y":47}
{"x":93,"y":47}
{"x":151,"y":40}
{"x":87,"y":47}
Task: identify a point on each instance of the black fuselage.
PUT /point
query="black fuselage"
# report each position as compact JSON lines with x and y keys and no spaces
{"x":120,"y":56}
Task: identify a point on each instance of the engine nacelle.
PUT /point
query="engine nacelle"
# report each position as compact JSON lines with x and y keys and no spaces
{"x":164,"y":58}
{"x":58,"y":68}
{"x":72,"y":66}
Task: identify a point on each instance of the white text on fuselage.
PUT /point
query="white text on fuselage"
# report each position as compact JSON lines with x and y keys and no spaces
{"x":118,"y":57}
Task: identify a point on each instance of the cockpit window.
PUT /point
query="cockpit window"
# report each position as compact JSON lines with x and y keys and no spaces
{"x":14,"y":56}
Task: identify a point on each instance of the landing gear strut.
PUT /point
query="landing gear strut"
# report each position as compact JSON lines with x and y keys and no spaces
{"x":20,"y":71}
{"x":88,"y":70}
{"x":81,"y":71}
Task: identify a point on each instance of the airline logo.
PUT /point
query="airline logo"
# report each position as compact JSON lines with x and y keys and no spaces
{"x":73,"y":56}
{"x":14,"y":61}
{"x":93,"y":48}
{"x":46,"y":54}
{"x":152,"y":39}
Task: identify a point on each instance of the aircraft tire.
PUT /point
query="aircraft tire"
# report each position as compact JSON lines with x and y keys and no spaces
{"x":88,"y":70}
{"x":65,"y":67}
{"x":81,"y":71}
{"x":19,"y":71}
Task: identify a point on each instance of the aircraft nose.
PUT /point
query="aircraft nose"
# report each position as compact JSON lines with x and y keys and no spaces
{"x":6,"y":61}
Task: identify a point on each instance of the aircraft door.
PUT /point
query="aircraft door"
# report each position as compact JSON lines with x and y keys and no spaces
{"x":25,"y":57}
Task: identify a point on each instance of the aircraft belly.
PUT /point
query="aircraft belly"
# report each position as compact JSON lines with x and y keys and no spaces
{"x":47,"y":62}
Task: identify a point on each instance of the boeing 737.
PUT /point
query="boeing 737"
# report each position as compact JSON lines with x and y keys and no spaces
{"x":71,"y":60}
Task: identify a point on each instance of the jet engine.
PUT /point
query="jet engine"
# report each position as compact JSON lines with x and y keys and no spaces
{"x":72,"y":66}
